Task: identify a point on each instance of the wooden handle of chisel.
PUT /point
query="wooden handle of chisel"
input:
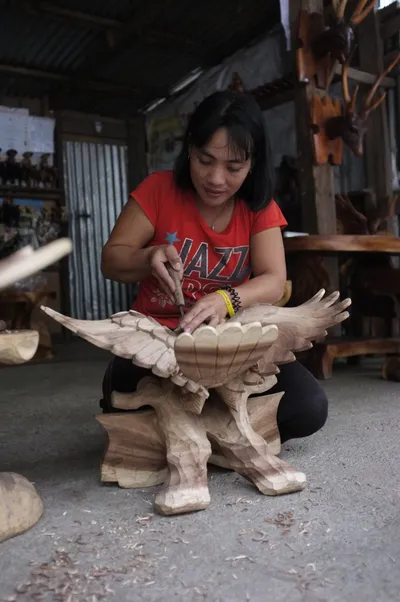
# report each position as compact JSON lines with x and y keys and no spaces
{"x":179,"y":300}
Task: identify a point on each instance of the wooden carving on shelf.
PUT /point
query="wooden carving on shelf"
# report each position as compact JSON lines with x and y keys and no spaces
{"x":351,"y":221}
{"x":351,"y":126}
{"x":320,"y":46}
{"x":326,"y":149}
{"x":20,"y":505}
{"x":200,"y":391}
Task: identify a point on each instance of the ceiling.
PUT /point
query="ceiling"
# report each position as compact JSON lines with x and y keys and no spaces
{"x":116,"y":58}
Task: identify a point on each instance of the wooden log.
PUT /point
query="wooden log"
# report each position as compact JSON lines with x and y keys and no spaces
{"x":18,"y":346}
{"x":20,"y":505}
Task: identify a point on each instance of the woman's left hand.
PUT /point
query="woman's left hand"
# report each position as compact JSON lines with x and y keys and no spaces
{"x":210,"y":309}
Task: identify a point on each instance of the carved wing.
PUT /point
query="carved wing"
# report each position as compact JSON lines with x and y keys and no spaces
{"x":130,"y":335}
{"x":297,"y":327}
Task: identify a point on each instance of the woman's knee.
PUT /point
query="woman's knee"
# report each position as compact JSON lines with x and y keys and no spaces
{"x":303,"y":409}
{"x":318,"y":412}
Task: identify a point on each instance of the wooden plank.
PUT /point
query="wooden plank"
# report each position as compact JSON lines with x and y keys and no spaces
{"x":363,"y":77}
{"x":390,"y":27}
{"x":68,"y":81}
{"x":137,"y":151}
{"x":343,"y":243}
{"x":377,"y":154}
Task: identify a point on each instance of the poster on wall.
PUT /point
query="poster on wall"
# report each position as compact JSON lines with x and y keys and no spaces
{"x":165,"y":136}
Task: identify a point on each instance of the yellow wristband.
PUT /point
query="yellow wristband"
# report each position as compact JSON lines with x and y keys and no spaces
{"x":228,"y":302}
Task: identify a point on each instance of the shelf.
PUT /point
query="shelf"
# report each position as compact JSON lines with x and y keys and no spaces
{"x":31,"y":193}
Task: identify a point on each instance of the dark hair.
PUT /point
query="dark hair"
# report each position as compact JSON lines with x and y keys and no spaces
{"x":240,"y":114}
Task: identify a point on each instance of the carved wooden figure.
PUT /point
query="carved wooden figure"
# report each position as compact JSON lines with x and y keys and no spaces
{"x":352,"y":125}
{"x":27,"y":169}
{"x":325,"y":149}
{"x":320,"y":46}
{"x":337,"y":39}
{"x":20,"y":505}
{"x":201,"y":396}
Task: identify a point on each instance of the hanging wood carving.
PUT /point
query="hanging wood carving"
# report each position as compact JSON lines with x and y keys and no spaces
{"x":326,"y":149}
{"x":320,"y":46}
{"x":311,"y":25}
{"x":351,"y":126}
{"x":234,"y":360}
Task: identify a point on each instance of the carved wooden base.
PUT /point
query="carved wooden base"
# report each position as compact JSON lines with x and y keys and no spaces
{"x":172,"y":444}
{"x":20,"y":505}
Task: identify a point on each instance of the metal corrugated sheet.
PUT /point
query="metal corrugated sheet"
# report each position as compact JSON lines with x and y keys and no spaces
{"x":42,"y":42}
{"x":96,"y":190}
{"x":112,"y":10}
{"x":172,"y":39}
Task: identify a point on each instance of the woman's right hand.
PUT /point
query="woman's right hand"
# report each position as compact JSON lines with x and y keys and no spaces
{"x":159,"y":256}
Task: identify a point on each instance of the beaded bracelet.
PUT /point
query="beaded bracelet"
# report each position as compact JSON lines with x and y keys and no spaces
{"x":228,"y":302}
{"x":235,"y":298}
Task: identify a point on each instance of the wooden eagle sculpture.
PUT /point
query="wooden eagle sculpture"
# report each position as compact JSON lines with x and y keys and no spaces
{"x":201,"y":387}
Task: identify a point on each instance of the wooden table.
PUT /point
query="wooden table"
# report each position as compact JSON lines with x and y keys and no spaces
{"x":324,"y":354}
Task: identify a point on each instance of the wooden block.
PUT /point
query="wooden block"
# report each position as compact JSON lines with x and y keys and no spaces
{"x":20,"y":505}
{"x":326,"y":150}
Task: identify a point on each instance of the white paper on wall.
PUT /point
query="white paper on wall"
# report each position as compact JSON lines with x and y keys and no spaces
{"x":40,"y":135}
{"x":13,"y":131}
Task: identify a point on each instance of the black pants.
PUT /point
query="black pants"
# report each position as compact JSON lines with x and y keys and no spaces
{"x":303,"y":409}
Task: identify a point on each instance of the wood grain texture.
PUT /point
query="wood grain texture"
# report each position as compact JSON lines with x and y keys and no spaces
{"x":18,"y":346}
{"x":20,"y":505}
{"x":342,"y":243}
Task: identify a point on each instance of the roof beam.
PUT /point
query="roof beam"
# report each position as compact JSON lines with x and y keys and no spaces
{"x":112,"y":27}
{"x":123,"y":38}
{"x":74,"y":16}
{"x":94,"y":85}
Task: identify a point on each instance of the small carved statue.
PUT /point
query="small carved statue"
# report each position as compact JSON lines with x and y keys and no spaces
{"x":338,"y":39}
{"x":352,"y":125}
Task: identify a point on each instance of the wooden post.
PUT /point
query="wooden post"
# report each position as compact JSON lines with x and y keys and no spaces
{"x":317,"y":182}
{"x":137,"y":149}
{"x":377,"y":147}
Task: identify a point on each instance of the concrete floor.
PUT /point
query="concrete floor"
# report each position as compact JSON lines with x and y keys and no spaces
{"x":337,"y":541}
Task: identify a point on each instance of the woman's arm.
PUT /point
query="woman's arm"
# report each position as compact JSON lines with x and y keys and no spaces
{"x":267,"y":260}
{"x":125,"y":258}
{"x":268,"y":265}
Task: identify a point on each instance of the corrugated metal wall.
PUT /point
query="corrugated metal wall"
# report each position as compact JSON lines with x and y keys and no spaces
{"x":96,"y":190}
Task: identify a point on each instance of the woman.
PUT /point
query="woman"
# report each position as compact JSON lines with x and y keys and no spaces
{"x":213,"y":219}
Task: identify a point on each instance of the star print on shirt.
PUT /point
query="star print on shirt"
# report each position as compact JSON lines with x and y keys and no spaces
{"x":172,"y":238}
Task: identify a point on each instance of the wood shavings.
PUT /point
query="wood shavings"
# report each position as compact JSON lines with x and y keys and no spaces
{"x":143,"y":519}
{"x":283,"y":520}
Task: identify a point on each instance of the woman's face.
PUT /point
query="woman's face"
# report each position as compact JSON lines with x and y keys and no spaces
{"x":217,"y":171}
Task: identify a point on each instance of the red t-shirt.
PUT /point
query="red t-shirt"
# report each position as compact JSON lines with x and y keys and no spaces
{"x":210,"y":259}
